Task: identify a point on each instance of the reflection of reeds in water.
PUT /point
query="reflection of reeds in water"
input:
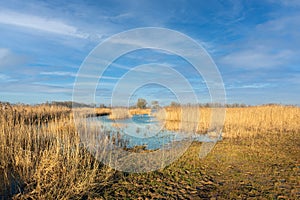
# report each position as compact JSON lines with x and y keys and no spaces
{"x":239,"y":122}
{"x":119,"y":113}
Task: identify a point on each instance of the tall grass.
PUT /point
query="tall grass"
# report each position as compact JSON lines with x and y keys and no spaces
{"x":124,"y":113}
{"x":41,"y":160}
{"x":119,"y":113}
{"x":138,"y":111}
{"x":239,"y":122}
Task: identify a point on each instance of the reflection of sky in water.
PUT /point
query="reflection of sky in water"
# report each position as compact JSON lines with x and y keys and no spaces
{"x":145,"y":130}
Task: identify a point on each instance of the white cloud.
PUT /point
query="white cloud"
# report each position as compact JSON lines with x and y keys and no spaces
{"x":282,"y":25}
{"x":40,"y":23}
{"x":9,"y":59}
{"x":20,"y":87}
{"x":62,"y":73}
{"x":274,"y":43}
{"x":120,"y":17}
{"x":4,"y":53}
{"x":6,"y":79}
{"x":288,"y":3}
{"x":110,"y":77}
{"x":3,"y":77}
{"x":257,"y":58}
{"x":249,"y":86}
{"x":59,"y":73}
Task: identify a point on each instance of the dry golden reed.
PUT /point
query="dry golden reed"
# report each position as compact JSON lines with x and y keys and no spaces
{"x":124,"y":113}
{"x":239,"y":122}
{"x":119,"y":113}
{"x":41,"y":156}
{"x":138,"y":111}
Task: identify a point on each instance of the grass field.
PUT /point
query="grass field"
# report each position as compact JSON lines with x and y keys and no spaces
{"x":41,"y":158}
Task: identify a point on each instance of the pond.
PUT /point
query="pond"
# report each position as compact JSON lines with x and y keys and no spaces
{"x":144,"y":130}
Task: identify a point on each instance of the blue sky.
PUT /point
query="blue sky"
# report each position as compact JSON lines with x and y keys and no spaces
{"x":255,"y":44}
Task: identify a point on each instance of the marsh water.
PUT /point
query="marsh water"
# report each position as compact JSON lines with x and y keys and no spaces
{"x":145,"y":130}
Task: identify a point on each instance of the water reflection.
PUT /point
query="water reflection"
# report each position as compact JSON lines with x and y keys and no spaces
{"x":143,"y":130}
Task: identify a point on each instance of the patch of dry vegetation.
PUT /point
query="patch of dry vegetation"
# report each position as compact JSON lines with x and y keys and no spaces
{"x":124,"y":113}
{"x":139,"y":111}
{"x":119,"y":113}
{"x":43,"y":159}
{"x":102,"y":111}
{"x":239,"y":122}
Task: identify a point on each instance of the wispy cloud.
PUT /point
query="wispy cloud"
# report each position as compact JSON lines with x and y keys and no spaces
{"x":289,"y":3}
{"x":273,"y":43}
{"x":34,"y":87}
{"x":249,"y":86}
{"x":40,"y":23}
{"x":58,"y":73}
{"x":257,"y":58}
{"x":279,"y":26}
{"x":9,"y":59}
{"x":6,"y":78}
{"x":71,"y":74}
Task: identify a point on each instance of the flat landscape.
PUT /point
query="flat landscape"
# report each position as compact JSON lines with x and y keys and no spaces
{"x":149,"y":99}
{"x":41,"y":157}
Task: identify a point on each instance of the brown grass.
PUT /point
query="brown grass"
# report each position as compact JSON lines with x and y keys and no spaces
{"x":239,"y":122}
{"x":124,"y":113}
{"x":102,"y":111}
{"x":138,"y":111}
{"x":44,"y":160}
{"x":119,"y":113}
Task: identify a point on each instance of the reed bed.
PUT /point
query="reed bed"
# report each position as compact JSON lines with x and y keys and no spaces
{"x":124,"y":113}
{"x":115,"y":113}
{"x":138,"y":111}
{"x":44,"y":159}
{"x":119,"y":113}
{"x":239,"y":122}
{"x":34,"y":114}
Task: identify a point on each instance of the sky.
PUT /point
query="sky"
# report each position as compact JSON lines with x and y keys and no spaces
{"x":254,"y":44}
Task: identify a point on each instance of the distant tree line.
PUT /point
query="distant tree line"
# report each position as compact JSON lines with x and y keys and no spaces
{"x":209,"y":105}
{"x":69,"y":104}
{"x":142,"y":103}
